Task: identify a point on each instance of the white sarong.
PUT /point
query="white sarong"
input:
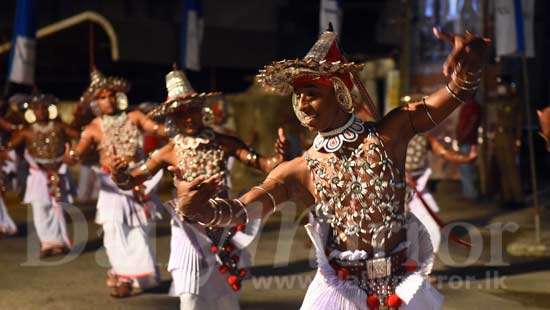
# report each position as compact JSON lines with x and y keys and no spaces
{"x":48,"y":216}
{"x":126,"y":226}
{"x":327,"y":291}
{"x":416,"y":207}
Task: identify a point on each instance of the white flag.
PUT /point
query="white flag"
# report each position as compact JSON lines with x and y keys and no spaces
{"x":192,"y":32}
{"x":514,"y":22}
{"x":330,"y":12}
{"x":22,"y":57}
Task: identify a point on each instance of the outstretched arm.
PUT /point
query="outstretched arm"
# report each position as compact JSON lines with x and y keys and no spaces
{"x":463,"y":66}
{"x":86,"y":142}
{"x":248,"y":156}
{"x":7,"y":126}
{"x":449,"y":155}
{"x":149,"y":126}
{"x":257,"y":203}
{"x":17,"y":139}
{"x":70,"y":132}
{"x":127,"y":179}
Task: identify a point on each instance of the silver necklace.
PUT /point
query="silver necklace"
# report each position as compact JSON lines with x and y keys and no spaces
{"x":331,"y":141}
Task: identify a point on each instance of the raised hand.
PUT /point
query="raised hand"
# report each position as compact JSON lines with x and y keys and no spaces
{"x":469,"y":51}
{"x":282,"y":146}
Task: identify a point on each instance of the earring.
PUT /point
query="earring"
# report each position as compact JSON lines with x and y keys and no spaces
{"x":297,"y":111}
{"x":52,"y":111}
{"x":121,"y":101}
{"x":207,"y":116}
{"x":343,"y":95}
{"x":30,"y":117}
{"x":95,"y":108}
{"x":171,"y":128}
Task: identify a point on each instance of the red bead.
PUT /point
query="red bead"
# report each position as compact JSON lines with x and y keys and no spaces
{"x":214,"y":249}
{"x":235,"y":258}
{"x":242,"y":272}
{"x":236,"y":287}
{"x":410,"y":265}
{"x":343,"y":273}
{"x":393,"y":301}
{"x":223,"y":269}
{"x":372,"y":302}
{"x":233,"y":279}
{"x":240,"y":227}
{"x":229,"y":248}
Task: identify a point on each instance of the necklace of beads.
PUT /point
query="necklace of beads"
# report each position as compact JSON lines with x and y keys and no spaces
{"x":120,"y":133}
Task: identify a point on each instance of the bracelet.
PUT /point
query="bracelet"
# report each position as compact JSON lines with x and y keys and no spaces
{"x":230,"y":216}
{"x":243,"y":207}
{"x":72,"y":155}
{"x":212,"y":204}
{"x":145,"y":170}
{"x":251,"y":157}
{"x":455,"y":96}
{"x":474,"y":82}
{"x":270,"y":196}
{"x":428,"y":111}
{"x":411,"y":122}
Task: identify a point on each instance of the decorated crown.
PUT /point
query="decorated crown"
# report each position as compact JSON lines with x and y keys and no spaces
{"x":98,"y":81}
{"x":322,"y":63}
{"x":180,"y":95}
{"x":324,"y":60}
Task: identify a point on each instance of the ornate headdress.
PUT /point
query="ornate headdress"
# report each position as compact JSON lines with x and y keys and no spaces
{"x":98,"y":82}
{"x":323,"y":64}
{"x":181,"y":95}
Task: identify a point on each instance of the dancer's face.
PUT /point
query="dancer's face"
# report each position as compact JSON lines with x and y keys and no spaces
{"x":41,"y":112}
{"x":316,"y":106}
{"x":106,"y":101}
{"x":189,"y":121}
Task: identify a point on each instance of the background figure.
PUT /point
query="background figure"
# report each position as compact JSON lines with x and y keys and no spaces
{"x":544,"y":121}
{"x":466,"y":135}
{"x":505,"y":129}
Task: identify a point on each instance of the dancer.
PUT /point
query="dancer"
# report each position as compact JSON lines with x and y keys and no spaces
{"x":48,"y":188}
{"x":125,"y":215}
{"x":369,"y":252}
{"x":7,"y":166}
{"x":206,"y":263}
{"x":417,"y":168}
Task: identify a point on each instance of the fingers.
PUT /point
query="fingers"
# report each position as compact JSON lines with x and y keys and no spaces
{"x":443,"y":36}
{"x":195,"y":183}
{"x":281,"y":134}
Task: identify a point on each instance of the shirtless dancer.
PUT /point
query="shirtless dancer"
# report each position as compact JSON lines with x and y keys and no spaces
{"x":48,"y":187}
{"x":370,"y":254}
{"x":126,"y":215}
{"x":206,"y":264}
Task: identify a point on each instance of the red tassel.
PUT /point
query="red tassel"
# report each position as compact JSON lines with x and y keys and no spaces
{"x":233,"y":279}
{"x":393,"y":301}
{"x":213,"y":249}
{"x":372,"y":302}
{"x":242,"y":272}
{"x":223,"y":269}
